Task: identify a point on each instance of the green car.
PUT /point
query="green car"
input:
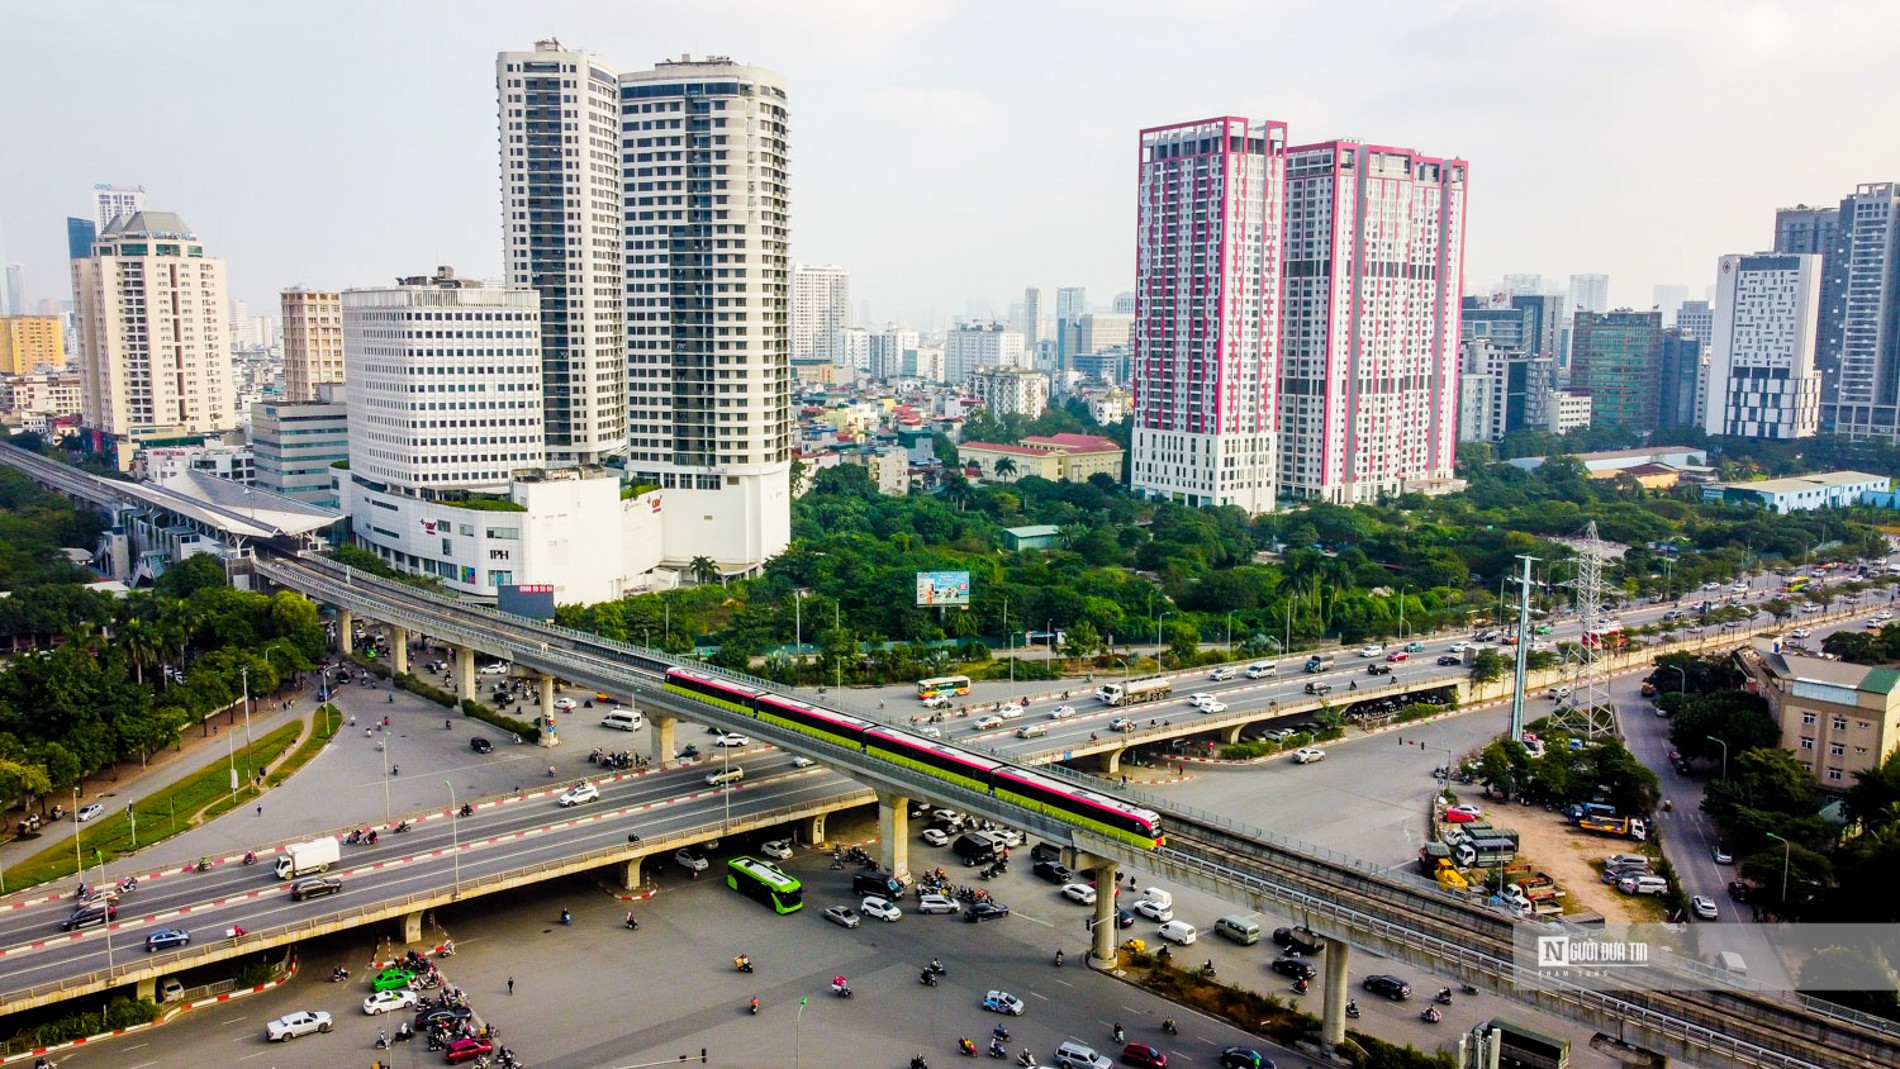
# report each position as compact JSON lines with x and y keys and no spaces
{"x":392,"y":979}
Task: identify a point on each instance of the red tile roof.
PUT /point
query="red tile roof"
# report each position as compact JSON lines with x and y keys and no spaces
{"x":1076,"y":443}
{"x":995,"y":447}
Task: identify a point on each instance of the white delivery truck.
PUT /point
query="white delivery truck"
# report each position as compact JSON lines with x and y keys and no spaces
{"x":302,"y":859}
{"x":1135,"y":691}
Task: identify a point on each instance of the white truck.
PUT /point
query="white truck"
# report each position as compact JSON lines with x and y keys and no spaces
{"x":1135,"y":691}
{"x":302,"y":859}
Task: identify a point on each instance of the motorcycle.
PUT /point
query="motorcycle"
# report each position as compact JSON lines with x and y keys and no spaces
{"x":566,"y":917}
{"x":128,"y":885}
{"x":1000,"y":1033}
{"x":841,"y":991}
{"x":1120,"y":1036}
{"x":1469,"y":989}
{"x":917,"y":1062}
{"x":339,"y":974}
{"x":250,"y":857}
{"x":742,"y":963}
{"x":204,"y":864}
{"x":405,"y":1032}
{"x":966,"y":1048}
{"x":1444,"y":997}
{"x":467,"y":810}
{"x":1058,"y":959}
{"x":1431,"y":1015}
{"x":1300,"y":985}
{"x":997,"y":1050}
{"x":755,"y":1007}
{"x":1168,"y":1026}
{"x":1026,"y":1060}
{"x":1352,"y":1009}
{"x":353,"y":838}
{"x":401,"y":826}
{"x":927,"y":978}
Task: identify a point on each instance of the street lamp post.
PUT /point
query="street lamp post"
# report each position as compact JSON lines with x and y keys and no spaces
{"x":1723,"y":743}
{"x":1682,"y":684}
{"x":1787,"y":850}
{"x":79,"y":863}
{"x":1159,"y":620}
{"x":245,"y":672}
{"x":385,"y":749}
{"x":1402,"y":589}
{"x":1230,"y":632}
{"x":455,"y":838}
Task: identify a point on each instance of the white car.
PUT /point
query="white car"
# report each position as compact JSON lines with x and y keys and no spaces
{"x":564,"y":704}
{"x":1458,"y":647}
{"x":1883,"y":614}
{"x":1222,"y":675}
{"x":987,"y":723}
{"x":1156,"y":911}
{"x":1010,"y":711}
{"x":930,"y":731}
{"x":1800,"y":632}
{"x":936,"y":904}
{"x":777,"y":849}
{"x":384,"y":1001}
{"x":1079,"y":892}
{"x":1003,"y":1002}
{"x":499,"y":668}
{"x":732,"y":738}
{"x":88,"y":811}
{"x":1009,"y":837}
{"x":1122,"y":723}
{"x":292,"y":1025}
{"x":1306,"y":755}
{"x":1062,"y":712}
{"x":938,"y":701}
{"x":1214,"y":707}
{"x":688,"y":858}
{"x":1200,"y":700}
{"x":1371,"y":651}
{"x":1470,"y":811}
{"x":584,"y":792}
{"x":1704,"y":907}
{"x":881,"y":908}
{"x":935,"y":837}
{"x":801,"y":761}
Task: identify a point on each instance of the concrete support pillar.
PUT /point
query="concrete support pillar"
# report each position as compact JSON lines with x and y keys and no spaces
{"x":1332,"y":1029}
{"x":398,"y":648}
{"x":1102,"y":935}
{"x":815,"y":831}
{"x":548,"y":737}
{"x":465,"y":672}
{"x":630,"y":875}
{"x":345,"y":632}
{"x":1231,"y":735}
{"x":1112,"y":762}
{"x":661,"y":736}
{"x":412,"y":927}
{"x":893,"y":833}
{"x":146,"y":988}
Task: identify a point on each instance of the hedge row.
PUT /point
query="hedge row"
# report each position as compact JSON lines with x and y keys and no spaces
{"x":119,"y":1013}
{"x":414,"y":685}
{"x":521,"y":729}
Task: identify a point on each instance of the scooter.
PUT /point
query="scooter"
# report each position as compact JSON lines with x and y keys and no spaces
{"x":966,"y":1048}
{"x":1352,"y":1009}
{"x":1431,"y":1015}
{"x":1168,"y":1026}
{"x":128,"y":885}
{"x":339,"y":974}
{"x":1444,"y":997}
{"x":1469,"y":989}
{"x":250,"y":857}
{"x":927,"y":978}
{"x":997,"y":1050}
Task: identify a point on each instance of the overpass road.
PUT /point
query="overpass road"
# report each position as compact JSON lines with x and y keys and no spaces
{"x":666,"y":808}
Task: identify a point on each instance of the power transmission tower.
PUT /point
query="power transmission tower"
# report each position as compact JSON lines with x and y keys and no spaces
{"x":1588,"y":712}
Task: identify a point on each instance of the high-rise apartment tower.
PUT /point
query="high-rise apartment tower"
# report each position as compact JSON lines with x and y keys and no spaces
{"x":313,"y":341}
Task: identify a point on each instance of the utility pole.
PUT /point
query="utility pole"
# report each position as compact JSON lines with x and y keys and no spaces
{"x":1523,"y":648}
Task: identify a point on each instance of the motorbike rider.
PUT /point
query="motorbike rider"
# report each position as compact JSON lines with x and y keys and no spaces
{"x":1119,"y":1034}
{"x":997,"y":1049}
{"x":566,"y":917}
{"x":743,"y":963}
{"x":1026,"y":1059}
{"x":1001,"y":1031}
{"x":1168,"y":1026}
{"x":755,"y":1004}
{"x":632,"y":922}
{"x":1058,"y":957}
{"x":964,"y":1045}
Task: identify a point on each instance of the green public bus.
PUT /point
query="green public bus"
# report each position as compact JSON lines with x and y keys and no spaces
{"x":765,"y":882}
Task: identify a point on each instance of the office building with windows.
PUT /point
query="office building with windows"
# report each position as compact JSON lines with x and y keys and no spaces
{"x":559,"y":117}
{"x":110,"y":201}
{"x":1615,"y":358}
{"x":1861,"y":386}
{"x":821,"y":306}
{"x":1762,"y":378}
{"x":297,"y":444}
{"x":313,"y":341}
{"x":966,"y":348}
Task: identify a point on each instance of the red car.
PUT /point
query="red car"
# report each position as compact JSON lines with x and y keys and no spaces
{"x":1398,"y":655}
{"x":467,"y":1050}
{"x":1143,"y":1055}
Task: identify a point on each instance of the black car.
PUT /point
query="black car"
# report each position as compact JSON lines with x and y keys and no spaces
{"x":1297,"y":968}
{"x":1244,"y":1058}
{"x":1053,"y":871}
{"x":1297,"y":941}
{"x":1124,"y":918}
{"x":1378,"y":668}
{"x":314,"y":887}
{"x":481,"y":745}
{"x":1450,"y":659}
{"x":985,"y":911}
{"x":1389,"y":986}
{"x":448,"y":1015}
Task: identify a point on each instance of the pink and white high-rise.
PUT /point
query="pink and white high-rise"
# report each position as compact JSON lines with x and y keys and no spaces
{"x":1207,"y":314}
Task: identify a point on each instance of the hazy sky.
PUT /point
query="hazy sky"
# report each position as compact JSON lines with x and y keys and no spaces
{"x":946,"y":150}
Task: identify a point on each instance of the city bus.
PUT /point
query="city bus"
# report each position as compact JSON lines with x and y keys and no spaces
{"x":943,"y":687}
{"x":765,"y":882}
{"x":1795,"y":585}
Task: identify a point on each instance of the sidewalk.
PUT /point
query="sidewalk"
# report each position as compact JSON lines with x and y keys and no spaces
{"x":125,"y":784}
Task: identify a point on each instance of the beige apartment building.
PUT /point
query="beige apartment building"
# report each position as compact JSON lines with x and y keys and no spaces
{"x":313,"y":341}
{"x":151,"y":316}
{"x":1836,"y":718}
{"x":26,"y":342}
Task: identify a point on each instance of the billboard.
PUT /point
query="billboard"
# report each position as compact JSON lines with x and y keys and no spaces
{"x":943,"y":588}
{"x":533,"y":600}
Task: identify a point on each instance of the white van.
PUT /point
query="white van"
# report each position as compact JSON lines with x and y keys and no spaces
{"x":1159,"y":897}
{"x":1263,"y":669}
{"x":1239,"y":929}
{"x":1642,"y":885}
{"x":1730,"y":962}
{"x":722,"y":777}
{"x":1178,"y":932}
{"x":624,"y":720}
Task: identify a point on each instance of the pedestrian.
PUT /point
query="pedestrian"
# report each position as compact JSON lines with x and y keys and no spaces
{"x":260,"y":810}
{"x":1124,"y":779}
{"x":511,"y":985}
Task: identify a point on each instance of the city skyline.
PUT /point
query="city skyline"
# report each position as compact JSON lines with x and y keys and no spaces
{"x":931,"y":78}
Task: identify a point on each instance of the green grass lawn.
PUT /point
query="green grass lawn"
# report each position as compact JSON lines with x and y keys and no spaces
{"x":159,"y":816}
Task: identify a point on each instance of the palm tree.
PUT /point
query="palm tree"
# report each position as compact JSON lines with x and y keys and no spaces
{"x":958,"y":491}
{"x":1003,"y":466}
{"x":140,"y":641}
{"x":704,"y":570}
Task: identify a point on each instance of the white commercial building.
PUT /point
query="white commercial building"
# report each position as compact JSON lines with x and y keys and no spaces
{"x":159,"y":465}
{"x":1003,"y":390}
{"x":888,"y":347}
{"x":313,"y":341}
{"x":1565,"y":411}
{"x":1863,"y":398}
{"x":967,"y":348}
{"x":1207,"y":312}
{"x":705,"y":147}
{"x":559,"y":115}
{"x":298,"y":442}
{"x":149,"y":319}
{"x":110,"y":201}
{"x":1762,"y":378}
{"x":821,"y":306}
{"x":851,"y":347}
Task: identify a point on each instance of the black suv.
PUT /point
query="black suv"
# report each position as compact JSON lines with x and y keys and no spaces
{"x":481,"y":745}
{"x":1053,"y":871}
{"x":1377,"y":668}
{"x":1297,"y":968}
{"x":314,"y":887}
{"x":1389,"y":986}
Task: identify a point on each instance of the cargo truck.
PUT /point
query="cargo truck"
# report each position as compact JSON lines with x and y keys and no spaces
{"x":302,"y":859}
{"x":1624,"y":827}
{"x":1319,"y":662}
{"x":1135,"y":691}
